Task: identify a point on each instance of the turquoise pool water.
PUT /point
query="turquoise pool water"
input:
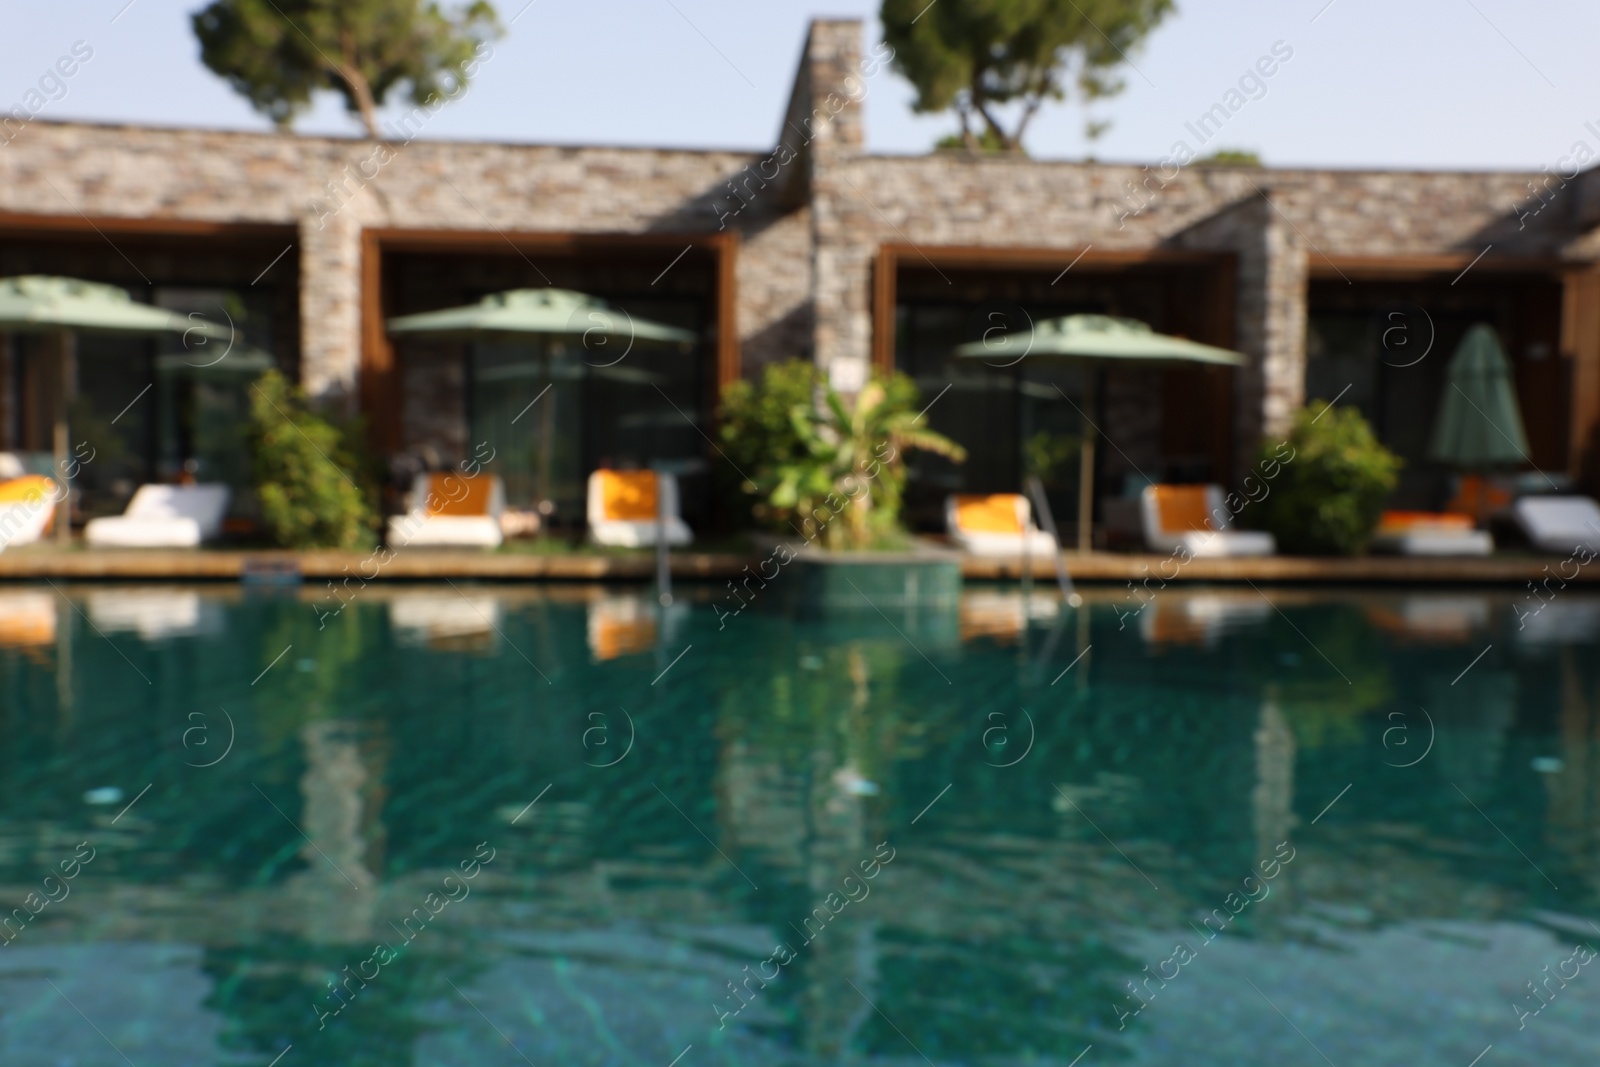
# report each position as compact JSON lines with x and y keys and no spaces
{"x":550,"y":826}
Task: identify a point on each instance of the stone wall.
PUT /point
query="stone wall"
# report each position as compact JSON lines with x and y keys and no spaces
{"x":833,"y":136}
{"x":811,"y":214}
{"x":1269,"y":317}
{"x":332,"y":188}
{"x":775,"y":285}
{"x":952,"y":200}
{"x":1279,"y":224}
{"x":330,"y":307}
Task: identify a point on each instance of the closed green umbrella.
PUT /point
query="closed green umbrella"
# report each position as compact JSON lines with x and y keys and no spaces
{"x":1479,"y":425}
{"x":65,"y":307}
{"x":1099,"y":341}
{"x":542,"y":313}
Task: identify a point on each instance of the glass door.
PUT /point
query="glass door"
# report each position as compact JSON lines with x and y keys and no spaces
{"x":525,"y":403}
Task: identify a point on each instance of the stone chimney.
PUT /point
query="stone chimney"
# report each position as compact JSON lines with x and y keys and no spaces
{"x":823,"y":129}
{"x":823,"y":118}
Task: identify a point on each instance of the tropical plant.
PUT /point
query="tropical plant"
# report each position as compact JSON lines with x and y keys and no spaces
{"x":757,"y":433}
{"x":1329,"y":495}
{"x":757,"y":427}
{"x":276,"y":53}
{"x":307,"y":470}
{"x":974,"y":56}
{"x":835,"y":458}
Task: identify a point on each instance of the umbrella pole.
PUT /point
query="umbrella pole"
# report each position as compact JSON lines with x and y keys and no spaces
{"x":64,"y":360}
{"x":1086,"y":466}
{"x":546,"y":426}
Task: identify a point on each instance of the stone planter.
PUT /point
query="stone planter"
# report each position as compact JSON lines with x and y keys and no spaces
{"x":921,"y":583}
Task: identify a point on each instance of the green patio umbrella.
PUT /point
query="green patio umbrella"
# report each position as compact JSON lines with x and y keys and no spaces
{"x":545,"y":314}
{"x":1097,"y":341}
{"x":1479,"y":425}
{"x":65,"y":307}
{"x":550,"y":312}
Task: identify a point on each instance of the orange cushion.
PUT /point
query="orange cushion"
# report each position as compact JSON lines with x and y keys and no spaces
{"x":1182,"y":508}
{"x":623,"y":637}
{"x":628,"y":496}
{"x":459,"y":494}
{"x":22,"y":631}
{"x":28,"y":488}
{"x":1398,"y":521}
{"x":1171,"y":625}
{"x":994,"y":513}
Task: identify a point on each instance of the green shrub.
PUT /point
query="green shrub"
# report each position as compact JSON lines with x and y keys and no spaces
{"x":758,"y":431}
{"x":1328,"y":496}
{"x":308,"y":472}
{"x":833,"y":471}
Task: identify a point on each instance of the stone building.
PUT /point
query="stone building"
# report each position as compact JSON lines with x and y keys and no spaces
{"x":1352,"y":283}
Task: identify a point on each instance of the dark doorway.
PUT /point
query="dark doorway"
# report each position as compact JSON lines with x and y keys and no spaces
{"x":154,"y":408}
{"x":555,"y":410}
{"x":1016,"y":420}
{"x":1387,"y":344}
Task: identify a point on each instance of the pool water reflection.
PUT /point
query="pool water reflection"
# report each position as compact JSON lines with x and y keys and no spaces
{"x":497,"y":825}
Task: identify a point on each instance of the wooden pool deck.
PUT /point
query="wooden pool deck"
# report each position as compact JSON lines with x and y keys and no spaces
{"x":37,"y":563}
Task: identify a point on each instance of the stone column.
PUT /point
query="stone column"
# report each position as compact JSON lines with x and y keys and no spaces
{"x":1281,"y":319}
{"x":832,"y":90}
{"x":1270,"y":316}
{"x":1272,"y":799}
{"x":330,"y":308}
{"x":341,"y":796}
{"x":843,"y":335}
{"x":831,"y":1012}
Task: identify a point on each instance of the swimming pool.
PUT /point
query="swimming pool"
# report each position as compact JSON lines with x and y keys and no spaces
{"x":551,"y":825}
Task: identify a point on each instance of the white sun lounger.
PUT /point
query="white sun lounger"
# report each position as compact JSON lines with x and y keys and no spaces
{"x":163,"y":516}
{"x":996,"y":525}
{"x":1561,"y":524}
{"x":1195,"y":518}
{"x":27,"y":504}
{"x":154,"y":614}
{"x":622,"y":508}
{"x":451,"y":510}
{"x":439,"y":618}
{"x":27,"y":619}
{"x":1417,"y":533}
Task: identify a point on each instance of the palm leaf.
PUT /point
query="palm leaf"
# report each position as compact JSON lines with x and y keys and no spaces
{"x":929,"y":441}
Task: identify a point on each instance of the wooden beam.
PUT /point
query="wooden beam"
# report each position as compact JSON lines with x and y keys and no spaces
{"x":884,"y":286}
{"x":1404,"y":268}
{"x":15,"y":225}
{"x":983,"y":257}
{"x":379,"y":389}
{"x":1580,"y":342}
{"x":563,"y":242}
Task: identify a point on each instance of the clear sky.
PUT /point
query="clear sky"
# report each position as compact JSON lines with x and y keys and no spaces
{"x":1386,"y":83}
